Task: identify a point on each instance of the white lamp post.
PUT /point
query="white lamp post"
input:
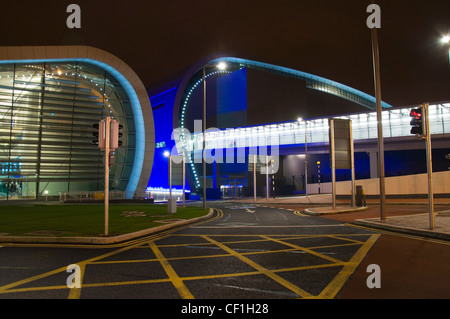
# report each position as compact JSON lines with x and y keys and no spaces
{"x":446,"y":40}
{"x":220,"y":66}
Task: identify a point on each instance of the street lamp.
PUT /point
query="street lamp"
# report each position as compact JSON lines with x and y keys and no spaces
{"x":306,"y":156}
{"x":446,"y":40}
{"x":220,"y":66}
{"x":377,"y":82}
{"x":169,"y":157}
{"x":169,"y":202}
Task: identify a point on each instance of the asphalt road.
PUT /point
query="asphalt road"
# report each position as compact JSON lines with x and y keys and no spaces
{"x":244,"y":252}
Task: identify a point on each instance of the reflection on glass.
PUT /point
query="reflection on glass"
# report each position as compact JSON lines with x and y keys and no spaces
{"x":47,"y":113}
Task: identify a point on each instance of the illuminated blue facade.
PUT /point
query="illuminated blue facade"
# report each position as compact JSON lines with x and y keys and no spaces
{"x":229,"y":104}
{"x":179,"y":105}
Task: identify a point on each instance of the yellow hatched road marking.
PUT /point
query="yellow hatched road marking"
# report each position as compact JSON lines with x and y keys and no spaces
{"x":309,"y":251}
{"x":75,"y":292}
{"x":329,"y":292}
{"x":176,"y":280}
{"x":341,"y":278}
{"x":27,"y":280}
{"x":300,"y":292}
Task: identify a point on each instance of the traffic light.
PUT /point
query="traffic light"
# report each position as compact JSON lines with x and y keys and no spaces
{"x":99,"y":134}
{"x":120,"y":134}
{"x":114,"y":139}
{"x":417,"y":122}
{"x":116,"y":135}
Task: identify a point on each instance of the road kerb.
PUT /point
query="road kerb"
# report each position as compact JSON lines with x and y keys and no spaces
{"x":100,"y":240}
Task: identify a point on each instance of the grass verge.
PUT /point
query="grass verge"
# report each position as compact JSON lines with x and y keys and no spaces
{"x":87,"y":220}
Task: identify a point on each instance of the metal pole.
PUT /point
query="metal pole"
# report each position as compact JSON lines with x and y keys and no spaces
{"x":184,"y":181}
{"x":267,"y":177}
{"x":448,"y":52}
{"x":306,"y":161}
{"x":170,"y":181}
{"x":333,"y":166}
{"x":254,"y":178}
{"x":352,"y":158}
{"x":107,"y":138}
{"x":204,"y":137}
{"x":381,"y":175}
{"x":426,"y":121}
{"x":273,"y":179}
{"x":318,"y":174}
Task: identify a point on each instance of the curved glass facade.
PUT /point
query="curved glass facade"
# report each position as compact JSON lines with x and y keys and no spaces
{"x":47,"y":116}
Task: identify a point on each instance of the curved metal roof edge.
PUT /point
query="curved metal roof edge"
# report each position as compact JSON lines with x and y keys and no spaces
{"x":302,"y":75}
{"x":270,"y":67}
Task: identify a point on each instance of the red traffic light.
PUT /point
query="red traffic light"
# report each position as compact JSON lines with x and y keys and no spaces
{"x":417,"y":125}
{"x":417,"y":113}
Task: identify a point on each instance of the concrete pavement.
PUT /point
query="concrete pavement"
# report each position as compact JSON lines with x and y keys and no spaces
{"x":408,"y":223}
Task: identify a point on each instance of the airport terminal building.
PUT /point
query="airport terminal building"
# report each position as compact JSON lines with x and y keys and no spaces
{"x":52,"y":97}
{"x":252,"y":106}
{"x":50,"y":100}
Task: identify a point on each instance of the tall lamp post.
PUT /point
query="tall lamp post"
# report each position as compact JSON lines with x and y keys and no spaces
{"x":220,"y":66}
{"x":169,"y":157}
{"x":446,"y":40}
{"x":306,"y":156}
{"x":381,"y":171}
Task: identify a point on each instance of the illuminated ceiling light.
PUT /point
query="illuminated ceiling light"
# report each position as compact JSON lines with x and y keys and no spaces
{"x":446,"y":39}
{"x":166,"y":153}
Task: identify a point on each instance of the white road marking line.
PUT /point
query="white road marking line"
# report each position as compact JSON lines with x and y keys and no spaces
{"x":266,"y":226}
{"x":285,"y":218}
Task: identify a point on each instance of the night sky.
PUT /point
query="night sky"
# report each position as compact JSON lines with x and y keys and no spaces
{"x":161,"y":38}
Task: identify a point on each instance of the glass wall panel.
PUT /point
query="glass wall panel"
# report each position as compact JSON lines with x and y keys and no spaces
{"x":47,"y":117}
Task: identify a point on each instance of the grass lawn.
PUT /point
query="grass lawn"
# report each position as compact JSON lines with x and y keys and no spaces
{"x":85,"y":219}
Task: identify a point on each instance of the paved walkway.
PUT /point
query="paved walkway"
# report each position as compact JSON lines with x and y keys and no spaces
{"x":406,"y":222}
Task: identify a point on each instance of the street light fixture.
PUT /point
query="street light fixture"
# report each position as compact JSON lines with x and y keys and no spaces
{"x":220,"y":66}
{"x":306,"y":156}
{"x":446,"y":40}
{"x":169,"y":202}
{"x":377,"y":82}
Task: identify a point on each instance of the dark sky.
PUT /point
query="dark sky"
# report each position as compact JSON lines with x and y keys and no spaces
{"x":160,"y":38}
